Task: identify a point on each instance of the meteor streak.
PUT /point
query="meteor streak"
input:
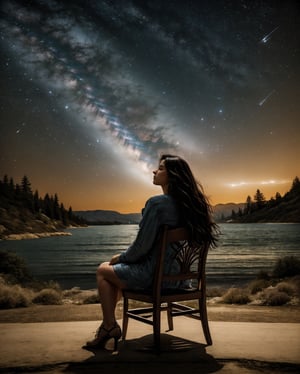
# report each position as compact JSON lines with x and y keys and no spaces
{"x":266,"y":38}
{"x":261,"y":103}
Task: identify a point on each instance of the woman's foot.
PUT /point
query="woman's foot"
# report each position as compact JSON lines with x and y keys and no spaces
{"x":104,"y":334}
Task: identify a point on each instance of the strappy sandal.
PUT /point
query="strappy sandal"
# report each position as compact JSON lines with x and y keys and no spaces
{"x":101,"y":338}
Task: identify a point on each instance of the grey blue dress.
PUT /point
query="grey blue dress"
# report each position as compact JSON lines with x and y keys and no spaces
{"x":136,"y":265}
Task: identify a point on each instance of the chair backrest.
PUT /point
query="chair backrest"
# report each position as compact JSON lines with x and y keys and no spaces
{"x":190,"y":256}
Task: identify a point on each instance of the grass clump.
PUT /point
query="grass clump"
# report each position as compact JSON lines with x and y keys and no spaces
{"x":73,"y":291}
{"x":48,"y":296}
{"x":14,"y":296}
{"x":91,"y":299}
{"x":257,"y":285}
{"x":288,"y":266}
{"x":236,"y":296}
{"x":289,"y":288}
{"x":215,"y":292}
{"x":274,"y":297}
{"x":13,"y":268}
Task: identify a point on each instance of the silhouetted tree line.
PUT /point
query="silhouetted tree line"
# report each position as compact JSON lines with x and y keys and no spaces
{"x":21,"y":196}
{"x":259,"y":201}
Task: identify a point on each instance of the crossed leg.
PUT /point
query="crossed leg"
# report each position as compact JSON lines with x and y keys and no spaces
{"x":110,"y":291}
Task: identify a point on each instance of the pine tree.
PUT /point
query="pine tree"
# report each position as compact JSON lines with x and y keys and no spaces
{"x":296,"y":185}
{"x":248,"y":207}
{"x":27,"y":195}
{"x":11,"y":185}
{"x":26,"y":186}
{"x":64,"y":215}
{"x":56,"y":209}
{"x":48,"y":206}
{"x":36,"y":202}
{"x":70,"y":214}
{"x":259,"y":199}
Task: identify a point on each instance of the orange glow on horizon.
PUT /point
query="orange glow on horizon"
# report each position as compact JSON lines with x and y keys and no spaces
{"x":132,"y":201}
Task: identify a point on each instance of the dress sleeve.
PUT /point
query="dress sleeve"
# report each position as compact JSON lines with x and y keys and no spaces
{"x":146,"y":236}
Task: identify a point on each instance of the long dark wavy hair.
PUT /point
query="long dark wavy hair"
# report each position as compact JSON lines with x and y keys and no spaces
{"x":194,"y":207}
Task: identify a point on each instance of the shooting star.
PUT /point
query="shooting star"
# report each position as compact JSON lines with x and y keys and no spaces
{"x":266,"y":38}
{"x":261,"y":103}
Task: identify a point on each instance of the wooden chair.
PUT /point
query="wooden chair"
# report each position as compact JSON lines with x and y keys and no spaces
{"x":192,"y":260}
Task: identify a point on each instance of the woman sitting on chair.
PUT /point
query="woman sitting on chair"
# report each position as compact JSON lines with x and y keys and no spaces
{"x":182,"y":203}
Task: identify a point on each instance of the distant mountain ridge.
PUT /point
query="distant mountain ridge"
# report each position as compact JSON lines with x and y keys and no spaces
{"x":108,"y":217}
{"x":101,"y":217}
{"x":221,"y":211}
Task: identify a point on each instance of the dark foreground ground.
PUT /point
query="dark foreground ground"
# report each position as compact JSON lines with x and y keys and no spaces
{"x":247,"y":340}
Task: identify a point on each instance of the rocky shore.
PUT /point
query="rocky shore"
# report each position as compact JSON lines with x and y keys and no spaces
{"x":29,"y":235}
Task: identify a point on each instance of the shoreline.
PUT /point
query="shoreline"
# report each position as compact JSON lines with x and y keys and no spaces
{"x":38,"y":235}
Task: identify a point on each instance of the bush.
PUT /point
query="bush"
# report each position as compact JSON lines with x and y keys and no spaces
{"x":215,"y":292}
{"x":287,"y":266}
{"x":14,"y":268}
{"x":295,"y":281}
{"x":48,"y":296}
{"x":286,"y":287}
{"x":236,"y":296}
{"x":258,"y":285}
{"x":73,"y":291}
{"x":273,"y":297}
{"x":92,"y":299}
{"x":13,"y":296}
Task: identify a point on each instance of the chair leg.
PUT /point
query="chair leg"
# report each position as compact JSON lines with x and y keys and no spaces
{"x":204,"y":321}
{"x":170,"y":318}
{"x":156,"y":327}
{"x":125,"y":318}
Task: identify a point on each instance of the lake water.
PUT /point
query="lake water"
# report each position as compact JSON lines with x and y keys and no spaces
{"x":244,"y":250}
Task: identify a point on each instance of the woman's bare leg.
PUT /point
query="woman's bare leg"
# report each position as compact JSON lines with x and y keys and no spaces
{"x":109,"y":288}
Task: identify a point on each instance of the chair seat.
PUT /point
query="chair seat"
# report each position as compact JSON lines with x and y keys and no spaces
{"x":164,"y":291}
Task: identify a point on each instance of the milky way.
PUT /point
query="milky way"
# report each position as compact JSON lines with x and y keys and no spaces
{"x":73,"y":60}
{"x":121,"y":82}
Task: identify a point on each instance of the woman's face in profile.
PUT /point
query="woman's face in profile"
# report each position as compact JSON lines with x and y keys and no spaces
{"x":160,"y":177}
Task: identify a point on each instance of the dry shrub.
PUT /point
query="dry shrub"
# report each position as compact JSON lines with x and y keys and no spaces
{"x":215,"y":292}
{"x":91,"y":299}
{"x":287,"y":266}
{"x":72,"y":292}
{"x":13,"y":296}
{"x":48,"y":296}
{"x":13,"y":268}
{"x":273,"y":297}
{"x":258,"y":285}
{"x":295,"y":281}
{"x":52,"y":284}
{"x":236,"y":296}
{"x":287,"y":287}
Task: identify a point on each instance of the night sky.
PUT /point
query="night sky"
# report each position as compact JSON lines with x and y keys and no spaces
{"x":92,"y":92}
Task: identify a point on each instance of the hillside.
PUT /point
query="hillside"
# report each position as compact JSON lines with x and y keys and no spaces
{"x":285,"y":209}
{"x":25,"y":212}
{"x":102,"y":217}
{"x":221,"y":211}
